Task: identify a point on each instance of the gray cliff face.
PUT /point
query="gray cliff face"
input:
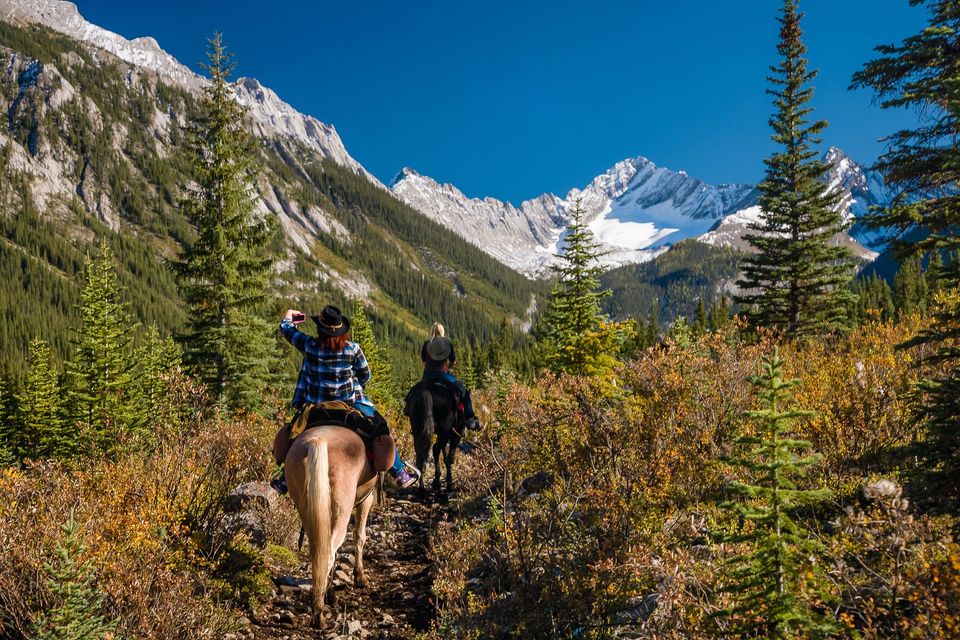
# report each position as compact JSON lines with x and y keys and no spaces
{"x":271,"y":117}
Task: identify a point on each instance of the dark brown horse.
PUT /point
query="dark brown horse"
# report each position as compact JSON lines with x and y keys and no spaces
{"x":433,"y":411}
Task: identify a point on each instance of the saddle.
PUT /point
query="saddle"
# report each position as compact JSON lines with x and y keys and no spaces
{"x":379,"y":451}
{"x":334,"y":412}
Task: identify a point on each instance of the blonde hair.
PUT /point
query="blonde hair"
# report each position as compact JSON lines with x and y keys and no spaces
{"x":436,"y":331}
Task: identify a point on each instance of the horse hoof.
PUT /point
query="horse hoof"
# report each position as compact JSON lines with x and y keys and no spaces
{"x":319,"y":621}
{"x":360,"y":582}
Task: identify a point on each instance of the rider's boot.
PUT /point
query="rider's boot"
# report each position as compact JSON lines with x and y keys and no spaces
{"x":279,"y":481}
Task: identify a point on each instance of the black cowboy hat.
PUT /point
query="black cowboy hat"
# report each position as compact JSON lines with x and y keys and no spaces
{"x":439,"y":349}
{"x":331,"y":322}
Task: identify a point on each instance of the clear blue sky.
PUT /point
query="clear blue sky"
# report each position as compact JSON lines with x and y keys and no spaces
{"x":512,"y":99}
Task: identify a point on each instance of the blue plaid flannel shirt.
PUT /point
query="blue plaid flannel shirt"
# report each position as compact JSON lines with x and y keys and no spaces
{"x":327,"y":375}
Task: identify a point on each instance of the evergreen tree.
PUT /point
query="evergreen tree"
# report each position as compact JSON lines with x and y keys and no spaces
{"x":719,"y":314}
{"x":224,"y":273}
{"x":72,"y":582}
{"x":382,"y":387}
{"x":773,"y":584}
{"x":923,"y":163}
{"x":8,"y":429}
{"x":701,"y":323}
{"x":910,"y":290}
{"x":465,"y":369}
{"x":501,"y":347}
{"x":796,"y":280}
{"x":156,"y":359}
{"x":933,"y":273}
{"x":653,"y":324}
{"x":875,"y":299}
{"x":575,"y":336}
{"x":100,"y":394}
{"x":42,"y":431}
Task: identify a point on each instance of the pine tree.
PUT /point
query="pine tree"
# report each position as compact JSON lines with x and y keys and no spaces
{"x":8,"y":429}
{"x":73,"y":584}
{"x":382,"y":387}
{"x":923,"y":164}
{"x":796,"y":281}
{"x":501,"y":347}
{"x":156,"y":359}
{"x":875,"y":299}
{"x":910,"y":290}
{"x":575,"y":336}
{"x":701,"y":323}
{"x":774,"y":584}
{"x":719,"y":314}
{"x":100,"y":394}
{"x":224,"y":273}
{"x":653,"y":324}
{"x":42,"y":431}
{"x":465,"y":369}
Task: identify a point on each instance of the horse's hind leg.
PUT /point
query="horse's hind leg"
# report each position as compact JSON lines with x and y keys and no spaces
{"x":448,"y":457}
{"x":360,"y":538}
{"x":437,"y":451}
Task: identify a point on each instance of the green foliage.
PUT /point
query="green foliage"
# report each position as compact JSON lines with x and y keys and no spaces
{"x":676,"y":281}
{"x":42,"y":430}
{"x":874,"y":299}
{"x":575,"y":335}
{"x":382,"y":387}
{"x":910,"y":289}
{"x":224,"y":272}
{"x":924,"y":165}
{"x":797,"y":281}
{"x":8,"y":428}
{"x":101,"y":396}
{"x":775,"y":583}
{"x":72,"y":581}
{"x":157,"y":358}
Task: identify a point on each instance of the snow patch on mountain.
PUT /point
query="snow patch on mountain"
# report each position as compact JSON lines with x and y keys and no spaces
{"x":635,"y":209}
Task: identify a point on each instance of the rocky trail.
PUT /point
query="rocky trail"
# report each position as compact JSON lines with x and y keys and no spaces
{"x":398,"y":601}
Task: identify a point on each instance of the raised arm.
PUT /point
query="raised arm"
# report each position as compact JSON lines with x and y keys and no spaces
{"x":291,"y":333}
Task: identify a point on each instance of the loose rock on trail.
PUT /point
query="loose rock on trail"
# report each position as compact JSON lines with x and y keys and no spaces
{"x":398,"y":600}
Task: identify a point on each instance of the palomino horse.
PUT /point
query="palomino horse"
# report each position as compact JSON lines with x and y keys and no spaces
{"x":432,"y":410}
{"x":329,"y":477}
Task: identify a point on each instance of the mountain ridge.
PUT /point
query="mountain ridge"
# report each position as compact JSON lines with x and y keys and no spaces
{"x":635,"y":209}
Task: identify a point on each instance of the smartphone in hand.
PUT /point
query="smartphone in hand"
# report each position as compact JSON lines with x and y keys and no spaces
{"x":297,"y":318}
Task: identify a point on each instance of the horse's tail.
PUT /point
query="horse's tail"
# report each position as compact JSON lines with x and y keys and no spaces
{"x":317,"y":512}
{"x":423,"y":409}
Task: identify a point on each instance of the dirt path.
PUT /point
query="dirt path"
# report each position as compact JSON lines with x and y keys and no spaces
{"x":398,"y":601}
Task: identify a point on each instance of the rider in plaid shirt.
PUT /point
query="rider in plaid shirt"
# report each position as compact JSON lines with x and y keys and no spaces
{"x":334,"y":368}
{"x":328,"y":374}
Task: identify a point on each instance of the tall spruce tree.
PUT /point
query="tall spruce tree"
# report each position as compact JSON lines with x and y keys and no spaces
{"x":76,"y":615}
{"x":796,"y":281}
{"x":923,"y":163}
{"x":157,"y":358}
{"x":100,"y":393}
{"x":910,"y":289}
{"x":42,"y":430}
{"x":773,"y":584}
{"x":8,"y":428}
{"x":575,"y":336}
{"x":653,"y":324}
{"x":224,"y":273}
